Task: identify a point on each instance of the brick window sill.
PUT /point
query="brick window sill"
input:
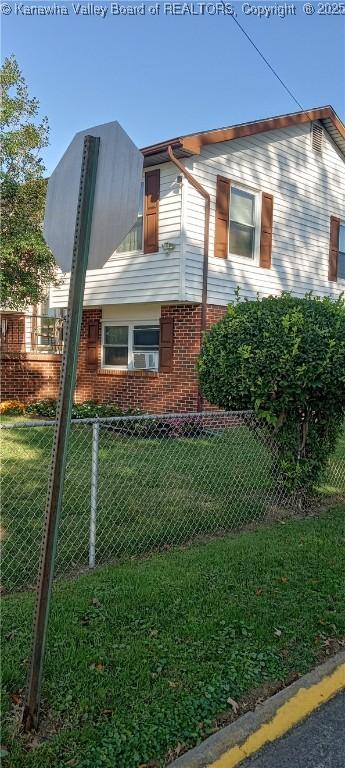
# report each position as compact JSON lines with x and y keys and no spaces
{"x":125,"y":374}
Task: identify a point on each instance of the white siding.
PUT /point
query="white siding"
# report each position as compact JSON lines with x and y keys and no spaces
{"x":132,"y":312}
{"x":139,"y":277}
{"x":307,"y":188}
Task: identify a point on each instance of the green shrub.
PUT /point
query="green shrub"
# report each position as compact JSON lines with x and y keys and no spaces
{"x":91,"y":409}
{"x":44,"y":408}
{"x":284,"y":358}
{"x":87,"y":410}
{"x":168,"y":428}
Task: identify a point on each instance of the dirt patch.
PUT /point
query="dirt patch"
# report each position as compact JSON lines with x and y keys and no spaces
{"x":49,"y":728}
{"x":329,"y":647}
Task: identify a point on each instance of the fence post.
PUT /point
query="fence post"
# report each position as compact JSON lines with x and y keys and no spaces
{"x":94,"y":489}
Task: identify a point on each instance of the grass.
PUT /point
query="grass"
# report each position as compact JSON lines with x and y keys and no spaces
{"x":333,"y":483}
{"x":151,"y":493}
{"x":142,"y":658}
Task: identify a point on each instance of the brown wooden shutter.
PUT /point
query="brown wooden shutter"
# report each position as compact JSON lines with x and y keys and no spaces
{"x":221,"y":242}
{"x":166,"y":345}
{"x":151,"y":211}
{"x":266,"y":231}
{"x":92,"y":344}
{"x":333,"y":248}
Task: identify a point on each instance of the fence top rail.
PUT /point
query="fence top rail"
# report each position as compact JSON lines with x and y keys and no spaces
{"x":116,"y":419}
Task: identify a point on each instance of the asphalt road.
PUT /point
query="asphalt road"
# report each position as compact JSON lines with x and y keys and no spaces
{"x":318,"y":742}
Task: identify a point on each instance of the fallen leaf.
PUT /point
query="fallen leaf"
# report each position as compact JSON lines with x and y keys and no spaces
{"x":72,"y":763}
{"x":259,"y":592}
{"x":172,"y":684}
{"x":277,"y":632}
{"x":153,"y":632}
{"x":233,"y":704}
{"x":96,"y":602}
{"x":16,"y":699}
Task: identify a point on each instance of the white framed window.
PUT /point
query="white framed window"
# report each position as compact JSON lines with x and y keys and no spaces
{"x":134,"y":240}
{"x":130,"y":346}
{"x":46,"y":328}
{"x":341,"y":253}
{"x":244,"y":224}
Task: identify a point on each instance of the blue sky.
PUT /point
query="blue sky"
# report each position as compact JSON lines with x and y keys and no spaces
{"x":165,"y":75}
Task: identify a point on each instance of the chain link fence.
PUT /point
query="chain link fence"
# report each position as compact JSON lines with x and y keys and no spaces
{"x":139,"y":484}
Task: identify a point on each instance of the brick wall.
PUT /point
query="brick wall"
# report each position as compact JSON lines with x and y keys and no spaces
{"x":13,"y":332}
{"x":29,"y":377}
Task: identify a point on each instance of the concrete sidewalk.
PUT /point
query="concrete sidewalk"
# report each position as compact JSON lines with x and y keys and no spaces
{"x":318,"y":742}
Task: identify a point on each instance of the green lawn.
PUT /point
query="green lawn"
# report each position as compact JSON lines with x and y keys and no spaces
{"x":152,"y":493}
{"x":143,"y":657}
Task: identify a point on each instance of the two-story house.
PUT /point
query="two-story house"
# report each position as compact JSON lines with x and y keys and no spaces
{"x":258,"y":206}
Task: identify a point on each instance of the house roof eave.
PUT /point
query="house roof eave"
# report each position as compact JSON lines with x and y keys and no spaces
{"x":191,"y":144}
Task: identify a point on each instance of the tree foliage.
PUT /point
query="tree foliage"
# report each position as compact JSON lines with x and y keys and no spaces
{"x":284,"y":358}
{"x":27,"y":265}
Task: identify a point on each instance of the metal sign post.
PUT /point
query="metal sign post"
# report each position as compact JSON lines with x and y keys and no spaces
{"x":59,"y":451}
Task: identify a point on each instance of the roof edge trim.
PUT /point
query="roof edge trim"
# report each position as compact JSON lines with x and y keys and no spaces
{"x":191,"y":144}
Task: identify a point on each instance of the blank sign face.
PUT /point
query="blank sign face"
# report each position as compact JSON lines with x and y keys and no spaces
{"x":116,"y":202}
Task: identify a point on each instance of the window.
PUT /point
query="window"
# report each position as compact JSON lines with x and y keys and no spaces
{"x":134,"y":240}
{"x":134,"y":346}
{"x":243,"y":218}
{"x":116,"y":345}
{"x":341,"y":254}
{"x":145,"y":346}
{"x":46,"y":328}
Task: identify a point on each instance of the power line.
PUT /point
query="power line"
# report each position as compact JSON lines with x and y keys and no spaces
{"x":266,"y":62}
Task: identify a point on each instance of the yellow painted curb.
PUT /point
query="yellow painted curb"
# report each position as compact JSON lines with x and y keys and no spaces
{"x":289,"y":714}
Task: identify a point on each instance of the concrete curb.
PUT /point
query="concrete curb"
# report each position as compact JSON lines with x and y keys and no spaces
{"x":216,"y":747}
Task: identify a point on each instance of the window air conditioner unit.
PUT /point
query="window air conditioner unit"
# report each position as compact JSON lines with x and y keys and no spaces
{"x":145,"y":360}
